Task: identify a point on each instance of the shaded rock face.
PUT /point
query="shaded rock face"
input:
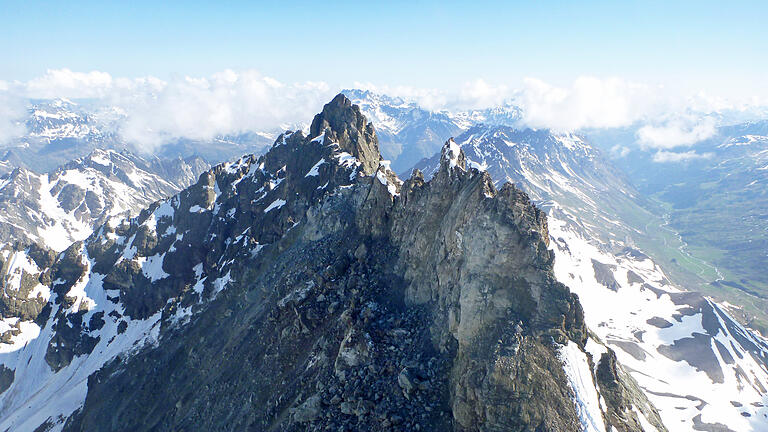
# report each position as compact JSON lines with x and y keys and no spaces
{"x":307,"y":290}
{"x":22,"y":269}
{"x":344,"y":124}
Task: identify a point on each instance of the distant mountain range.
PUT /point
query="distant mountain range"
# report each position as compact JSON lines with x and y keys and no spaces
{"x":61,"y":130}
{"x":409,"y":133}
{"x":311,"y":289}
{"x":709,"y":229}
{"x":58,"y":208}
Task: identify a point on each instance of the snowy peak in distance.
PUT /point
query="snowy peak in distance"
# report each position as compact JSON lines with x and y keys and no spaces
{"x":64,"y":119}
{"x":408,"y":132}
{"x":551,"y":167}
{"x":65,"y":205}
{"x":61,"y":130}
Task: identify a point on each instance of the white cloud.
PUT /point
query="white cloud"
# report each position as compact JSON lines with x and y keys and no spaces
{"x":680,"y":132}
{"x":481,"y":94}
{"x":157,"y":111}
{"x":619,"y":151}
{"x":64,"y":83}
{"x":588,"y":103}
{"x":226,"y":103}
{"x":668,"y":156}
{"x":12,"y":114}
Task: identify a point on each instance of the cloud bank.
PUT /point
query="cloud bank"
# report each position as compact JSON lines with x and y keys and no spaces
{"x":588,"y":103}
{"x":680,"y":132}
{"x":152,"y":111}
{"x":226,"y":103}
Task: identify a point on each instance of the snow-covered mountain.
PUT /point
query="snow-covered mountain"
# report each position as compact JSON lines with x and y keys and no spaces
{"x":402,"y":125}
{"x":60,"y":119}
{"x":701,"y":369}
{"x":65,"y":205}
{"x":61,"y":130}
{"x":311,"y":289}
{"x":408,"y":132}
{"x":559,"y":169}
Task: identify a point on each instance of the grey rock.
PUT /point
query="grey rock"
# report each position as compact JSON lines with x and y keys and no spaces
{"x":308,"y":410}
{"x":405,"y":381}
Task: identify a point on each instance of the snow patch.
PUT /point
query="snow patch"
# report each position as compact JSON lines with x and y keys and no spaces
{"x":276,"y":204}
{"x":580,"y":379}
{"x":314,"y":171}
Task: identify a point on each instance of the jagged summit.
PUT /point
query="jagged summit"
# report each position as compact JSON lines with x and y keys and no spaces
{"x":692,"y":366}
{"x":451,"y":156}
{"x":343,"y":123}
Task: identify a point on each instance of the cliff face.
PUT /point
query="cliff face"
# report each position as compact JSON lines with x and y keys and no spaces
{"x":310,"y":288}
{"x":478,"y":258}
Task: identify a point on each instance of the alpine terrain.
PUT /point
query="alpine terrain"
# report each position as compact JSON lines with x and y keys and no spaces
{"x":58,"y":131}
{"x":311,"y":289}
{"x":699,"y":366}
{"x":63,"y":206}
{"x":408,"y":132}
{"x":717,"y":203}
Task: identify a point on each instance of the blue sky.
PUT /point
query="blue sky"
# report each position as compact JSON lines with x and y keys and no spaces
{"x":719,"y":47}
{"x":202,"y":69}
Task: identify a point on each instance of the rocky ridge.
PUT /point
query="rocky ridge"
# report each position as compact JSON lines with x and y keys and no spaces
{"x":310,"y":289}
{"x":699,"y":366}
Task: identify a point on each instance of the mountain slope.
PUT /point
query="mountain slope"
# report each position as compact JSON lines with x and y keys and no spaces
{"x":64,"y":206}
{"x":559,"y":169}
{"x":702,"y":370}
{"x":717,"y":203}
{"x":310,"y":289}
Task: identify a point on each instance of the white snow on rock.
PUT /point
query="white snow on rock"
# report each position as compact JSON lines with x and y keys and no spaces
{"x":452,"y":152}
{"x":698,"y":366}
{"x":623,"y":319}
{"x":314,"y":171}
{"x":37,"y":392}
{"x":583,"y":385}
{"x":152,"y":267}
{"x":64,"y":206}
{"x":276,"y":204}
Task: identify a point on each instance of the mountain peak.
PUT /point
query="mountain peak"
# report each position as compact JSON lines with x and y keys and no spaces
{"x":343,"y":123}
{"x":452,"y":156}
